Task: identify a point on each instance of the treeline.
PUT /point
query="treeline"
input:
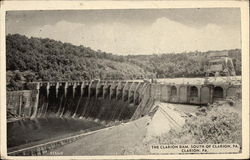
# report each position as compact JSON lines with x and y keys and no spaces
{"x":37,"y":59}
{"x":186,"y":64}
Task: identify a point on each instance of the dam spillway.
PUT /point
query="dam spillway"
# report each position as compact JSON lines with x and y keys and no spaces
{"x":96,"y":104}
{"x":100,"y":101}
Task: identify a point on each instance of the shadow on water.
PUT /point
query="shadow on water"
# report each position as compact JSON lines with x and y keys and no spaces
{"x":26,"y":131}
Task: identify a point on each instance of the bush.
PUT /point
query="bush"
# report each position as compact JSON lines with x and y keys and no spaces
{"x":222,"y":124}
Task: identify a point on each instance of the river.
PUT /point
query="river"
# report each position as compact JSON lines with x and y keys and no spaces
{"x":29,"y":132}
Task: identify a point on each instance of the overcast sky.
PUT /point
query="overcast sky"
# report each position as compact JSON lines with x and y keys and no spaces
{"x":137,"y":31}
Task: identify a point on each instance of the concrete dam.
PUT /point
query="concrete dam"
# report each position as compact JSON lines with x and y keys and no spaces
{"x":97,"y":100}
{"x":45,"y":109}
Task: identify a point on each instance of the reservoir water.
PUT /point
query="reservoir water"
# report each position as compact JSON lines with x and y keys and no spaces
{"x":42,"y":130}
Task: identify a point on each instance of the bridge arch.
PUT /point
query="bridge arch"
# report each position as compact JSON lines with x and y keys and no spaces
{"x":194,"y":91}
{"x":173,"y":91}
{"x":218,"y":93}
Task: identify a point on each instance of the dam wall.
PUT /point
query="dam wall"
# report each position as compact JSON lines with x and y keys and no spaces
{"x":200,"y":94}
{"x":101,"y":101}
{"x":104,"y":101}
{"x":19,"y":102}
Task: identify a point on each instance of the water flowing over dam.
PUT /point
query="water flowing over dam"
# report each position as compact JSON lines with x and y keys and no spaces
{"x":54,"y":110}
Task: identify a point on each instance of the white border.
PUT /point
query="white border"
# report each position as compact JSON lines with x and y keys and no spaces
{"x":77,"y":5}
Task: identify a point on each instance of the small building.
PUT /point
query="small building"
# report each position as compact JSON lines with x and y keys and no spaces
{"x":220,"y":65}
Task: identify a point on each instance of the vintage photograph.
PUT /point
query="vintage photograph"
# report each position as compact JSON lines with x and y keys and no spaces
{"x":109,"y":82}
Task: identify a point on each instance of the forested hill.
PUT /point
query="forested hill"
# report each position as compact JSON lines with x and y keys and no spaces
{"x":37,"y":59}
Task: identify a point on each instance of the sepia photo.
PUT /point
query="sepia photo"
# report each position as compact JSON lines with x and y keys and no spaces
{"x":122,"y":82}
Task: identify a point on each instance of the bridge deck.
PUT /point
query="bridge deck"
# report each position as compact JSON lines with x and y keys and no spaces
{"x":236,"y":80}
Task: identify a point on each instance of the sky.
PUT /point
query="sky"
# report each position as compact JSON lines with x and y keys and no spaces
{"x":134,"y":31}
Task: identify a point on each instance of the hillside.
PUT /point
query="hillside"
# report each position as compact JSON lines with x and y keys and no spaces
{"x":186,"y":64}
{"x":37,"y":59}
